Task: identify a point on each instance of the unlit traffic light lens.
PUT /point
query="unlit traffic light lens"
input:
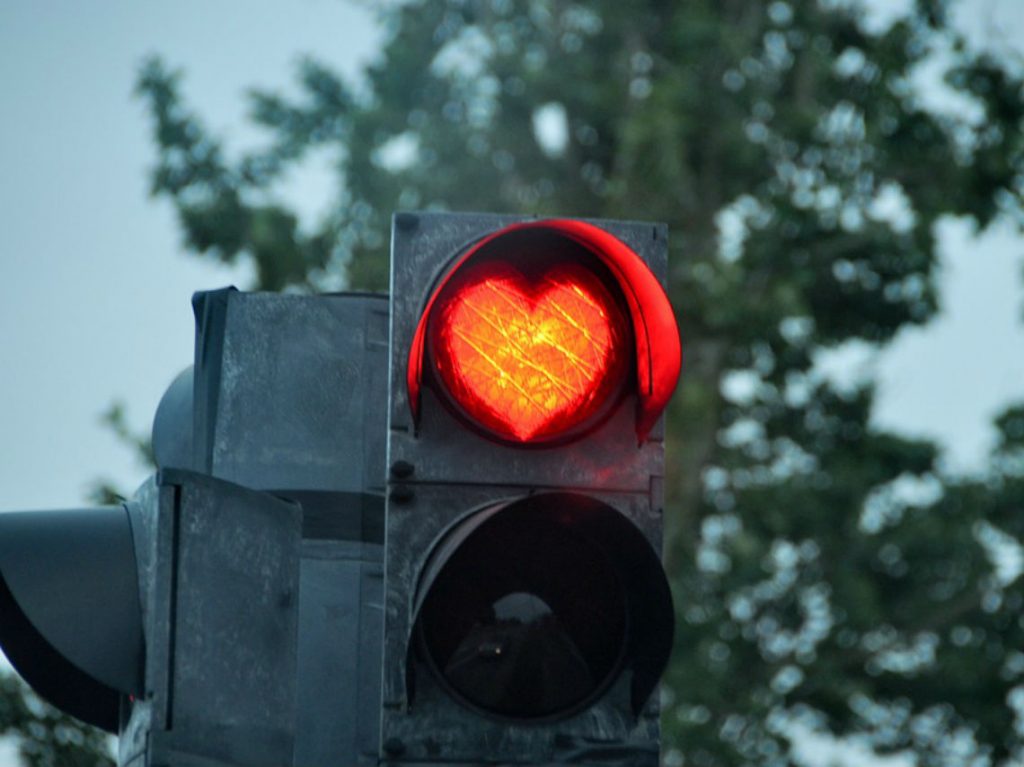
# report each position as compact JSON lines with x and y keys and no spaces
{"x":531,"y":352}
{"x":526,"y":617}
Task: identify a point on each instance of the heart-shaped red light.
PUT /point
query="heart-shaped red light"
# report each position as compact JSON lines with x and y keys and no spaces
{"x":530,"y":358}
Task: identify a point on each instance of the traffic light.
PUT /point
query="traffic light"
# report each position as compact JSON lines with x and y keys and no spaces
{"x":229,"y":614}
{"x":527,"y":617}
{"x":501,"y":451}
{"x":70,"y":620}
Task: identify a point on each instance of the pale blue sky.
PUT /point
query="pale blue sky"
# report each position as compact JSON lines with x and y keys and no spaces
{"x":94,"y":288}
{"x":95,"y":291}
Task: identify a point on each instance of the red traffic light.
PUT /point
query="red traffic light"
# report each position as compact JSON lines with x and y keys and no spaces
{"x":530,"y":353}
{"x":527,"y":615}
{"x":530,"y":330}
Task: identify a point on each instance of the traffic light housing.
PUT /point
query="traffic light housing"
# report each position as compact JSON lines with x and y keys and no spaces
{"x":527,"y":618}
{"x":237,"y":610}
{"x":70,"y":618}
{"x":229,"y":613}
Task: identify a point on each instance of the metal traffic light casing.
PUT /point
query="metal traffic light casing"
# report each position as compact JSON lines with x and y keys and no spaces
{"x":527,"y":617}
{"x":70,"y":615}
{"x":219,"y":564}
{"x":234,"y":611}
{"x":274,"y":659}
{"x":229,"y":614}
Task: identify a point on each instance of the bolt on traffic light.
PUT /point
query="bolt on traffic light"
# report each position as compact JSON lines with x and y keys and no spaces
{"x":527,"y":617}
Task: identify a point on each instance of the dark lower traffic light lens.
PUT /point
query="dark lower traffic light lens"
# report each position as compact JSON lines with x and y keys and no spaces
{"x":526,"y":615}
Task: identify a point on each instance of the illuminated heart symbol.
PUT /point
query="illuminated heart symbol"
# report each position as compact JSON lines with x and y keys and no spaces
{"x":530,"y":357}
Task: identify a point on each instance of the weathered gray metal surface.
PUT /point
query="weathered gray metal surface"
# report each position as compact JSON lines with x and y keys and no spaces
{"x":231,"y":682}
{"x":152,"y":512}
{"x":300,"y":390}
{"x":289,"y":398}
{"x":339,"y":653}
{"x":172,"y":424}
{"x":300,"y":398}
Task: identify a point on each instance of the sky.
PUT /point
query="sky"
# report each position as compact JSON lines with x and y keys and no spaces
{"x":95,"y":287}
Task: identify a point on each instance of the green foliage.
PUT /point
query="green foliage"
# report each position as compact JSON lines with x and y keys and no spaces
{"x":828,"y":576}
{"x":45,"y":736}
{"x":211,"y":197}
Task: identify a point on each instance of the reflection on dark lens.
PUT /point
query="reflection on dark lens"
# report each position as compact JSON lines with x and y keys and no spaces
{"x":527,"y":619}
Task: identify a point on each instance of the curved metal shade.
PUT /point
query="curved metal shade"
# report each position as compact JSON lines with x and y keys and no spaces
{"x":70,"y":616}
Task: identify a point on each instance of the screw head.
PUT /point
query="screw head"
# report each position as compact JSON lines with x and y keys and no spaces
{"x":402,"y":469}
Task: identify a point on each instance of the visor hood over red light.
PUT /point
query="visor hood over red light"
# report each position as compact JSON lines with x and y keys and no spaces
{"x":557,"y":328}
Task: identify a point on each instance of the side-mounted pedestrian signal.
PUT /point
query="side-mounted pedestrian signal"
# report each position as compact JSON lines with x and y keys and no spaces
{"x":527,"y":616}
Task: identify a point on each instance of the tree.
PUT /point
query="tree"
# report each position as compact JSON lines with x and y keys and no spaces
{"x":46,"y":737}
{"x":828,"y":576}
